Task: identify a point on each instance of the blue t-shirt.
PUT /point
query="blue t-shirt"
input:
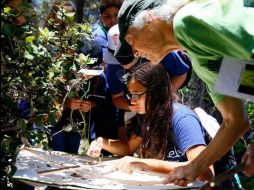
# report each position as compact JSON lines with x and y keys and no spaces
{"x":114,"y":76}
{"x":100,"y":35}
{"x":187,"y":131}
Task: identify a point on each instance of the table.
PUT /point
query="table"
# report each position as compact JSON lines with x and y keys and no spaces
{"x":43,"y":168}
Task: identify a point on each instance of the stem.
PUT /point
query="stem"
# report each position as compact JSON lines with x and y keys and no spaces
{"x":83,"y":118}
{"x":89,"y":125}
{"x":100,"y":157}
{"x":57,"y":132}
{"x":11,"y":45}
{"x":88,"y":88}
{"x":71,"y":119}
{"x":61,"y":107}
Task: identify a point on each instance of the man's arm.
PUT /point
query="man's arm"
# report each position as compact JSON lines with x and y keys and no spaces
{"x":120,"y":101}
{"x":235,"y":124}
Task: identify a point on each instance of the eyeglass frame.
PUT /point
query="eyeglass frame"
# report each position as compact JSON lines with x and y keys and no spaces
{"x":134,"y":97}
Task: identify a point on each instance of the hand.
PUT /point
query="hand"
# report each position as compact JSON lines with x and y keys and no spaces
{"x":73,"y":103}
{"x":129,"y":164}
{"x":248,"y":160}
{"x":85,"y":106}
{"x":95,"y":147}
{"x":181,"y":176}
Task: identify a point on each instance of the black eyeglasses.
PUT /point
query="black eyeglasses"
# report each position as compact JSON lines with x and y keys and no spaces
{"x":134,"y":97}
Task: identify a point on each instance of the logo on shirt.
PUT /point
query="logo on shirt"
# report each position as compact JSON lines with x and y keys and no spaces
{"x":175,"y":154}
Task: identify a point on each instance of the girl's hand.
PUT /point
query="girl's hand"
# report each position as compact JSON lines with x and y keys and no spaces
{"x":86,"y":105}
{"x":129,"y":164}
{"x":95,"y":147}
{"x":73,"y":103}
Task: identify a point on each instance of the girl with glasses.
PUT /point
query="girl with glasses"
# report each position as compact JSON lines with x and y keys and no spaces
{"x":168,"y":134}
{"x":165,"y":134}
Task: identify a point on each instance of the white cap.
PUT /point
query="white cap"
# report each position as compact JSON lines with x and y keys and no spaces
{"x":113,"y":37}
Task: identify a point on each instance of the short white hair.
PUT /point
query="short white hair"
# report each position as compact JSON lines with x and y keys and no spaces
{"x":164,"y":12}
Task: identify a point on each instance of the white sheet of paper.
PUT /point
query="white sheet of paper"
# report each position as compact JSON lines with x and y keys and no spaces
{"x":91,"y":72}
{"x":229,"y":78}
{"x":32,"y":162}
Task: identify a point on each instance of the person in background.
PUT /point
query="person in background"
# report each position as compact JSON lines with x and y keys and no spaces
{"x":168,"y":134}
{"x":211,"y":40}
{"x":108,"y":13}
{"x":92,"y":104}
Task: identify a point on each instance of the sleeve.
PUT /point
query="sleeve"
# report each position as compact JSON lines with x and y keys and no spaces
{"x":114,"y":74}
{"x":101,"y":37}
{"x":174,"y":65}
{"x":222,"y":36}
{"x":101,"y":90}
{"x":187,"y":129}
{"x":205,"y":60}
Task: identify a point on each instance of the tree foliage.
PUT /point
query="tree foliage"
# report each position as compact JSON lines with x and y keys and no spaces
{"x":38,"y":65}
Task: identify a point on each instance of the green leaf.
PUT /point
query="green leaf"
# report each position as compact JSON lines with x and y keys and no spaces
{"x":7,"y":9}
{"x":28,"y":55}
{"x":47,"y":34}
{"x":57,"y":70}
{"x":44,"y":31}
{"x":30,"y":39}
{"x":70,"y":14}
{"x":22,"y":124}
{"x":12,"y":30}
{"x":50,"y":75}
{"x":72,"y":94}
{"x":35,"y":49}
{"x":52,"y":118}
{"x":8,"y":29}
{"x":82,"y":58}
{"x":40,"y":119}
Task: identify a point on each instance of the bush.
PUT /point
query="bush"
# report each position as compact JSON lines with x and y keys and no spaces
{"x":37,"y":66}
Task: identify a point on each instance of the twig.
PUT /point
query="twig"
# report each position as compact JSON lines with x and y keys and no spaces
{"x":57,"y":169}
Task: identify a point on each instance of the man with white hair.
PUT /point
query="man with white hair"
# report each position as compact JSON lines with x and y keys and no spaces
{"x":219,"y":38}
{"x":177,"y":64}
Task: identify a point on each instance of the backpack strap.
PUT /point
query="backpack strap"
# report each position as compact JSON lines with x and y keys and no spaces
{"x":208,"y":122}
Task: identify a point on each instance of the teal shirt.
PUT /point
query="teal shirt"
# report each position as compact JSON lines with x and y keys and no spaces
{"x":212,"y":29}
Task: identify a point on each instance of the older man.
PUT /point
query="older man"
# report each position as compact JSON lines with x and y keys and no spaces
{"x":215,"y":34}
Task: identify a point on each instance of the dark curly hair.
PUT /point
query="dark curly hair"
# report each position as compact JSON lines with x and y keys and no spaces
{"x":156,"y":126}
{"x":104,"y":4}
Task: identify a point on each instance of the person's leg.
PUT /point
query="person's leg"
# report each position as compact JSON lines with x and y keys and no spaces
{"x":57,"y":141}
{"x":72,"y":142}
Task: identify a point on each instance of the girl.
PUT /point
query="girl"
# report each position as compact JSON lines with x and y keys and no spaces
{"x":168,"y":131}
